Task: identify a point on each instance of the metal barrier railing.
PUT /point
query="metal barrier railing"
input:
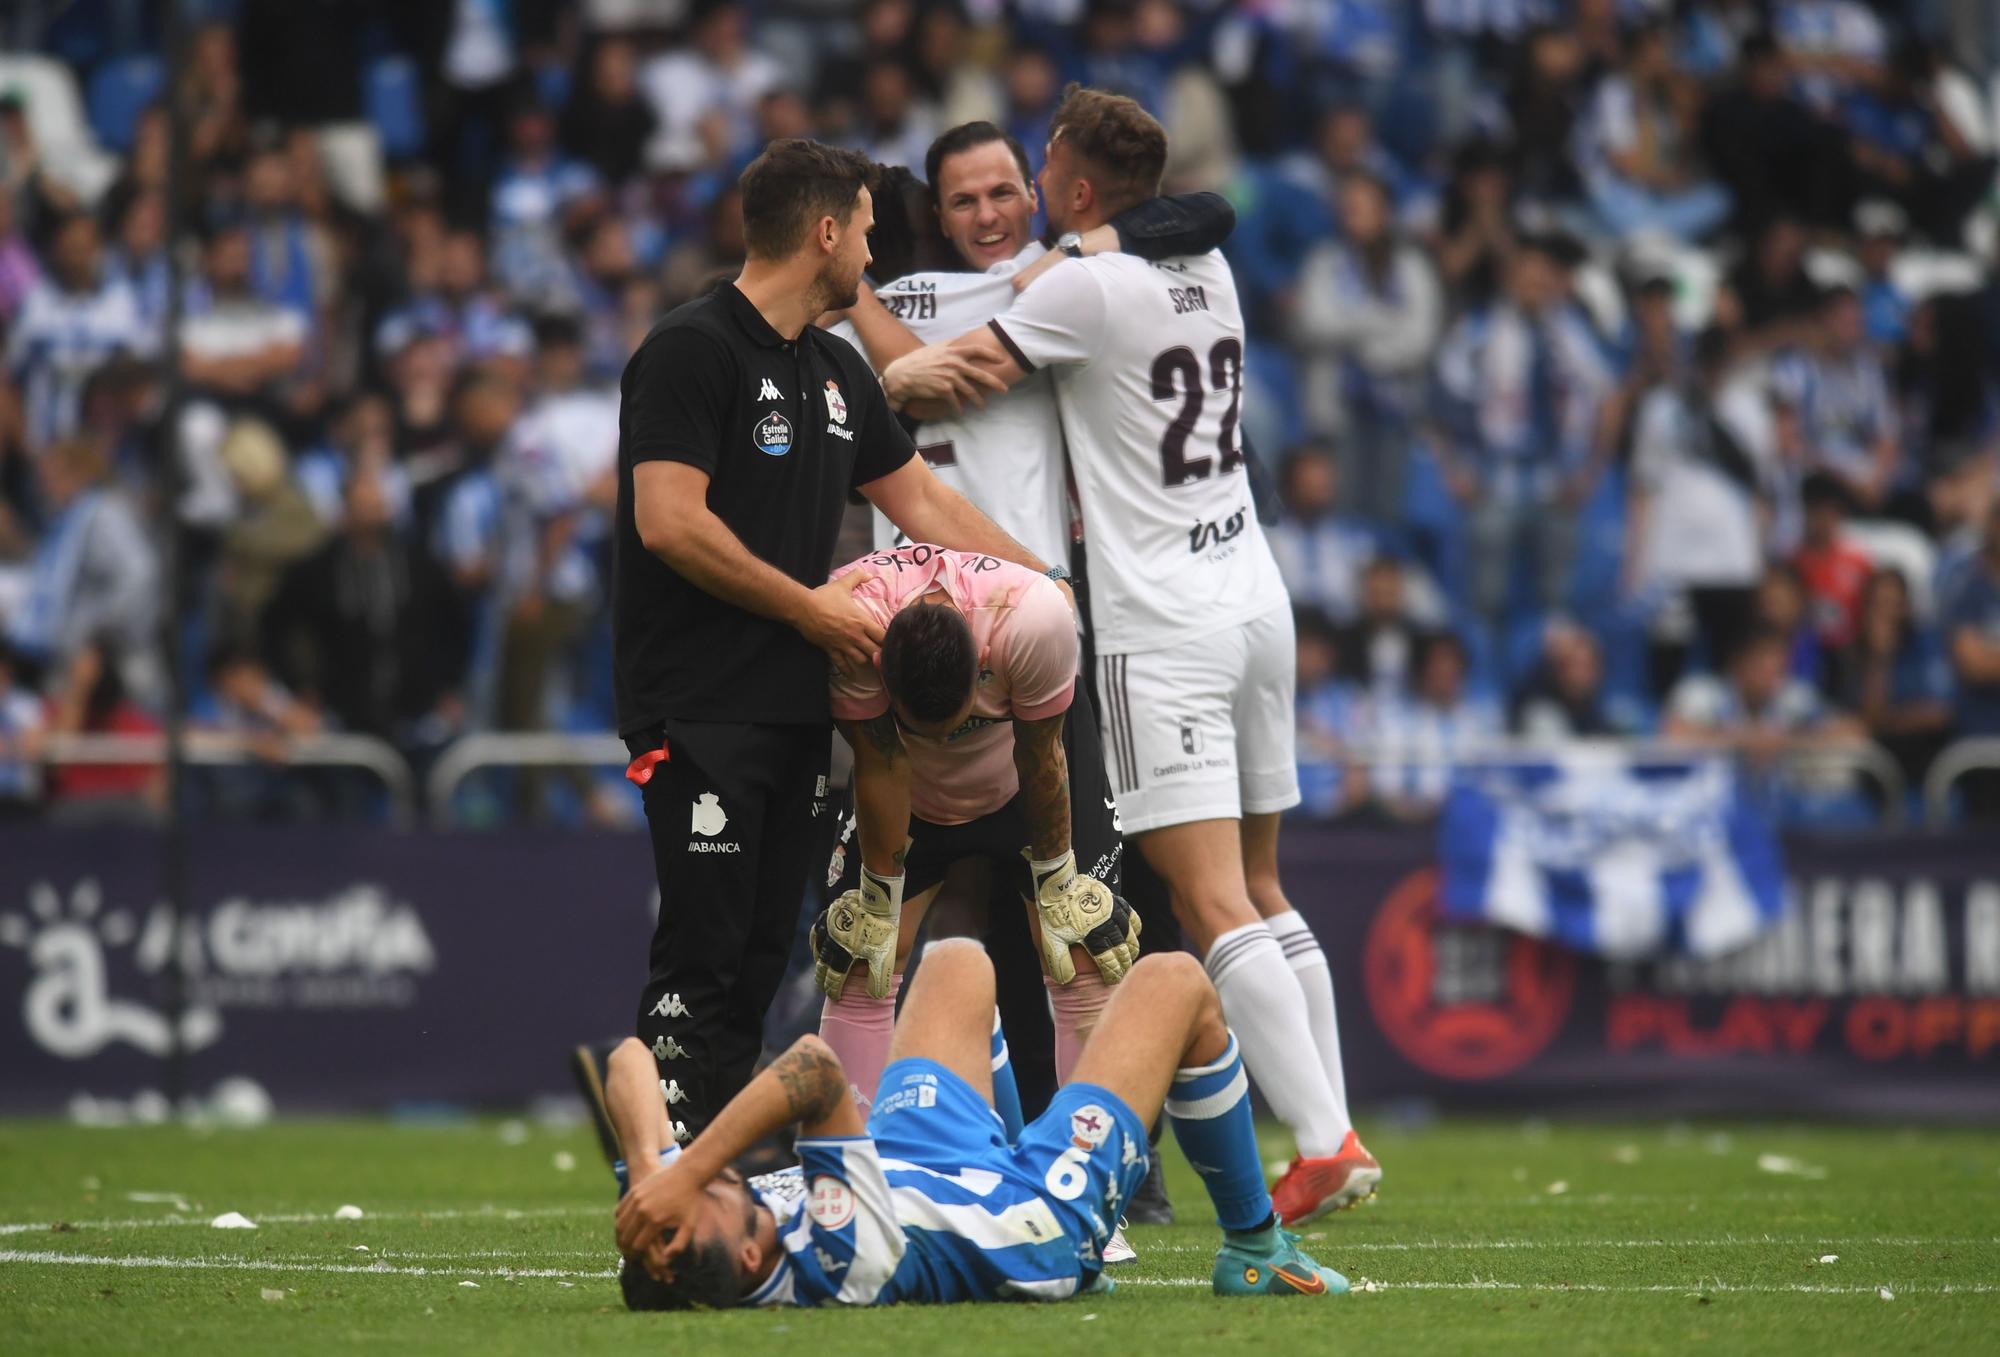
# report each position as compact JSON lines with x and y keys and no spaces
{"x":1859,"y":757}
{"x":525,"y":749}
{"x":225,"y":749}
{"x":550,"y":749}
{"x":1953,"y":762}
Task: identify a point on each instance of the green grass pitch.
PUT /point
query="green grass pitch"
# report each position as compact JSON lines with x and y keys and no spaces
{"x":1489,"y":1236}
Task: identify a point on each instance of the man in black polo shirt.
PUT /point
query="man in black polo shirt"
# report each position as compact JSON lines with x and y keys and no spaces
{"x":741,"y":430}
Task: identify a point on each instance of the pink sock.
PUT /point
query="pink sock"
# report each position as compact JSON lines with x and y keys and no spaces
{"x":1077,"y":1005}
{"x":858,"y":1028}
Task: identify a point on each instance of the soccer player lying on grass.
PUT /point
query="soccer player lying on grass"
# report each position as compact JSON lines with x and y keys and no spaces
{"x":928,"y":1201}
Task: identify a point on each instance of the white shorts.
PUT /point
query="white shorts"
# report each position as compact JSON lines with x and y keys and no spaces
{"x":1204,"y":730}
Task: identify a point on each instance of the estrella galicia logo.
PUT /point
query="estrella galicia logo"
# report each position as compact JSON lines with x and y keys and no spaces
{"x":773,"y":435}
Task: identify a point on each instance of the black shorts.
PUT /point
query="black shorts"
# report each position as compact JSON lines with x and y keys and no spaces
{"x":735,"y":815}
{"x":1000,"y":835}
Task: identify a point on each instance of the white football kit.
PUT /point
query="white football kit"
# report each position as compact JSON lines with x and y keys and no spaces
{"x":1193,"y":624}
{"x":1006,"y":458}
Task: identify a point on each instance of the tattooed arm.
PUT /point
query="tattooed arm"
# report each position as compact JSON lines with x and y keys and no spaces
{"x":805,"y":1086}
{"x":881,"y":792}
{"x":1044,"y":772}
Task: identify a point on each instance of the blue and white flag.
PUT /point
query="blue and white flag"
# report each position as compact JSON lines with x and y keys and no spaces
{"x":1611,"y":853}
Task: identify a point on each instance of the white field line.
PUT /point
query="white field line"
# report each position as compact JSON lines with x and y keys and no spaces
{"x":317,"y":1218}
{"x":1331,"y":1244}
{"x":1710,"y":1288}
{"x":39,"y":1256}
{"x":279,"y":1265}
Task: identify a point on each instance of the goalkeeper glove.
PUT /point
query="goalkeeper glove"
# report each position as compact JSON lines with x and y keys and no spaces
{"x":1077,"y":908}
{"x":859,"y":926}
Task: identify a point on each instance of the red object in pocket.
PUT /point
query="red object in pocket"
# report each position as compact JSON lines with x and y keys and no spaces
{"x":640,"y":771}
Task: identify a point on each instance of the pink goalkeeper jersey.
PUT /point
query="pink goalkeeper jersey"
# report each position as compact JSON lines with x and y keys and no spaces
{"x":1023,"y":627}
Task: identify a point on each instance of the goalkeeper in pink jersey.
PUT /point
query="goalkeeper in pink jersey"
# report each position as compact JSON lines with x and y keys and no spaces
{"x":959,"y":738}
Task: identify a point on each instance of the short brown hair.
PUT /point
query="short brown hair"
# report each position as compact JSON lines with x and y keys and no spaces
{"x":792,"y":185}
{"x":1123,"y":144}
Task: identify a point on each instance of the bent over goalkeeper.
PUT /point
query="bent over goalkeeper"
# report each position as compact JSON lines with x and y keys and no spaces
{"x":928,"y":1201}
{"x":959,"y":752}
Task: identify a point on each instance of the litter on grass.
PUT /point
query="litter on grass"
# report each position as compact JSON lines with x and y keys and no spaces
{"x":1885,"y":1293}
{"x":565,"y":1162}
{"x":232,"y":1220}
{"x":1557,"y":1188}
{"x":272,"y":1293}
{"x":1785,"y":1164}
{"x":473,"y":1285}
{"x":348,"y":1212}
{"x":1829,"y":1258}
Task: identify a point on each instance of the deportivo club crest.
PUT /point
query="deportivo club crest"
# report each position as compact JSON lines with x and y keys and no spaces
{"x":836,"y":405}
{"x":773,"y":435}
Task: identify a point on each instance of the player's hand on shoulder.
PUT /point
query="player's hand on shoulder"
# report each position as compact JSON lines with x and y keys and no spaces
{"x":832,"y":620}
{"x":938,"y":373}
{"x":1077,"y":910}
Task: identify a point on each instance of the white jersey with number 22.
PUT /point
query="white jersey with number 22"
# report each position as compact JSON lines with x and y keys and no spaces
{"x":1148,"y":364}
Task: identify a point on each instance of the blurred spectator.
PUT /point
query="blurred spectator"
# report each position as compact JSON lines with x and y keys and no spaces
{"x":1833,"y":569}
{"x":1769,"y":300}
{"x":1033,"y":89}
{"x":1757,"y":709}
{"x":243,"y":701}
{"x":607,"y":123}
{"x":290,"y":264}
{"x":1879,"y":230}
{"x":1332,"y":777}
{"x":1477,"y":237}
{"x":1845,"y":422}
{"x":1784,"y":610}
{"x":275,"y":526}
{"x":237,"y":343}
{"x":559,"y":473}
{"x":1971,"y":625}
{"x":1563,"y":699}
{"x":705,"y":94}
{"x":539,"y":191}
{"x":1367,"y":318}
{"x":1637,"y":146}
{"x":74,"y":318}
{"x":463,"y":308}
{"x":140,"y":256}
{"x":1948,"y":409}
{"x":1701,"y":455}
{"x":1896,"y":676}
{"x":1543,"y":105}
{"x":93,"y":578}
{"x":87,"y":697}
{"x":1522,"y":379}
{"x":1777,"y":157}
{"x":21,"y":734}
{"x":1378,"y":649}
{"x":1906,"y":146}
{"x":363,"y":438}
{"x":1321,"y":549}
{"x":364,"y":628}
{"x":896,"y":127}
{"x":1416,"y":738}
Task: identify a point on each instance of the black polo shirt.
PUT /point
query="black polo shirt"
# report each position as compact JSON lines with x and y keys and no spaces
{"x":784,"y":428}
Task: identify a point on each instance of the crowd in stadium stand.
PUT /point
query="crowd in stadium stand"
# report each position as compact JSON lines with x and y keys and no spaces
{"x":1625,"y":367}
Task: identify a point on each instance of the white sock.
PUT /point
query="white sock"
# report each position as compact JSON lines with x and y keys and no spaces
{"x":1263,"y":1004}
{"x":1308,"y":963}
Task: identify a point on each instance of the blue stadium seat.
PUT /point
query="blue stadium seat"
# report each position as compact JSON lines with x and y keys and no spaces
{"x":119,"y":91}
{"x":394,"y":100}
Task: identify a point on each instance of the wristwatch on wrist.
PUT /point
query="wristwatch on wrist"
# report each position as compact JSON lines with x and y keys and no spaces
{"x":1071,"y":244}
{"x":1059,"y":573}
